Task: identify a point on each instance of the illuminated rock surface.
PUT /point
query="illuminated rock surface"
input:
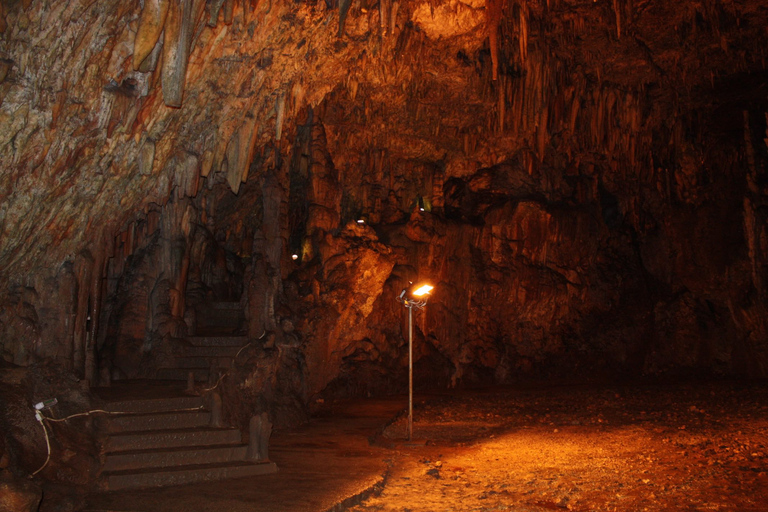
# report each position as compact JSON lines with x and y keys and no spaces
{"x":592,"y":177}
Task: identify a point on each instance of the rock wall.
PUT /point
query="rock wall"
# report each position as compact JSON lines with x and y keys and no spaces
{"x":591,"y":174}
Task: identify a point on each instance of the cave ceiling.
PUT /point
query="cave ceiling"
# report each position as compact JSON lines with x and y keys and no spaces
{"x":90,"y":138}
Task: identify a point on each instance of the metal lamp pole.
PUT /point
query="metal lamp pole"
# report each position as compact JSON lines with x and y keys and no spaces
{"x":410,"y":371}
{"x":412,"y":297}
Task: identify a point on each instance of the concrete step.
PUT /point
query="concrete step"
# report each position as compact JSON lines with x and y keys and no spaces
{"x":185,"y":474}
{"x":159,"y":421}
{"x":218,"y":341}
{"x":161,"y":439}
{"x":214,"y":351}
{"x":185,"y":456}
{"x":149,"y":405}
{"x":201,"y":374}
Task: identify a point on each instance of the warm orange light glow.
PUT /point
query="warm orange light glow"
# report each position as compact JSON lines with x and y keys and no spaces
{"x":423,"y":290}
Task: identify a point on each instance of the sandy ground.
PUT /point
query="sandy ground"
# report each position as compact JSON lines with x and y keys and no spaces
{"x":692,"y":447}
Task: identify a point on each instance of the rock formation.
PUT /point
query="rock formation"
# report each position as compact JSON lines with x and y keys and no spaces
{"x":583,"y":181}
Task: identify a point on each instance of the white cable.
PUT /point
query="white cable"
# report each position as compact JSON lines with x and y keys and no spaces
{"x":234,"y":361}
{"x":40,"y":417}
{"x":102,"y":411}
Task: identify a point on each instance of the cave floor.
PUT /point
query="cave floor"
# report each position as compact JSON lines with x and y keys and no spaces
{"x":682,"y":447}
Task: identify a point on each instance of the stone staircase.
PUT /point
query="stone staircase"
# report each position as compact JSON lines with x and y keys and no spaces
{"x":172,"y":441}
{"x":163,"y":437}
{"x":218,"y":339}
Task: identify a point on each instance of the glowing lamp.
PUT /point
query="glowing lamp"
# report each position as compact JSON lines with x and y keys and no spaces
{"x":361,"y":221}
{"x":415,"y":296}
{"x":295,"y":257}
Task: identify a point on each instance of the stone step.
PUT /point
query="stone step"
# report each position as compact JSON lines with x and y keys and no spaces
{"x":211,"y":351}
{"x":175,"y":404}
{"x":159,"y":421}
{"x":186,"y":474}
{"x":218,"y":341}
{"x":225,"y":305}
{"x":200,"y":374}
{"x":185,"y":456}
{"x":203,"y":362}
{"x":171,"y":439}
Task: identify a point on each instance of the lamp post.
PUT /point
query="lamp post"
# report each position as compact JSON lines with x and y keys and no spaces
{"x":415,"y":296}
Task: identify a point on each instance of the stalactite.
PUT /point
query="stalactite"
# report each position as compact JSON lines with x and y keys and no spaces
{"x":229,"y":11}
{"x":523,"y":35}
{"x":617,"y":11}
{"x":207,"y":163}
{"x":344,"y":6}
{"x":214,"y":9}
{"x":502,"y":103}
{"x":493,"y":10}
{"x":150,"y":27}
{"x":240,"y":153}
{"x":279,"y":116}
{"x":177,"y":41}
{"x":384,"y":9}
{"x":146,"y":157}
{"x":393,"y":17}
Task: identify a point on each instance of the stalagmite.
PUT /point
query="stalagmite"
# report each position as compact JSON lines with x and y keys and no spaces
{"x":95,"y":313}
{"x":83,"y":270}
{"x":150,"y":27}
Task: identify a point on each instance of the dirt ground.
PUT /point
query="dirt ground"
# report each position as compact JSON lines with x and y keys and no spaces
{"x":690,"y":447}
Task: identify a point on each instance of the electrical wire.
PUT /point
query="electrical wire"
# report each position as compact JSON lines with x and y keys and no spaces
{"x":40,"y":417}
{"x":234,"y":360}
{"x":102,"y":411}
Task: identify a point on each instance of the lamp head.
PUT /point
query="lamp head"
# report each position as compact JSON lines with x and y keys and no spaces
{"x":415,"y":295}
{"x":422,"y":290}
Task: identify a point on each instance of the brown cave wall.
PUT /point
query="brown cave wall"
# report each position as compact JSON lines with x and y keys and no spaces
{"x":592,"y":174}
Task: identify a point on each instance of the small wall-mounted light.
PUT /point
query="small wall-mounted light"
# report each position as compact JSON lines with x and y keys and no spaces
{"x":361,"y":221}
{"x":295,"y":257}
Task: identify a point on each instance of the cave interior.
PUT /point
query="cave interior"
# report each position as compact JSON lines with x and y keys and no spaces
{"x":230,"y":195}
